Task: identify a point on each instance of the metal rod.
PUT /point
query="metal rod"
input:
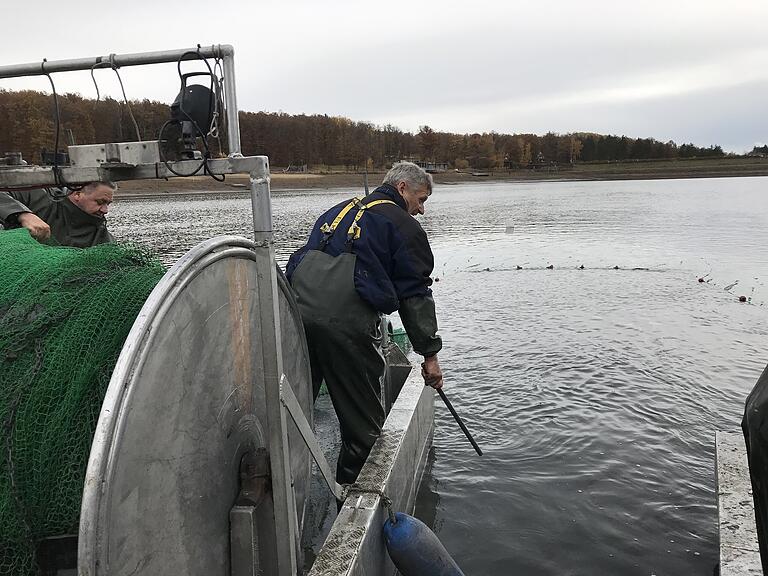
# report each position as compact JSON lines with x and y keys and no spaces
{"x":233,"y":117}
{"x":223,"y":51}
{"x":288,"y":398}
{"x":261,"y":203}
{"x":460,"y":422}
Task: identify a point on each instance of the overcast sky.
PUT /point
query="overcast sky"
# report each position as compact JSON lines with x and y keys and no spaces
{"x":687,"y":70}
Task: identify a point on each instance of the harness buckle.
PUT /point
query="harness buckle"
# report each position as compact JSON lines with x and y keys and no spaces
{"x":354,"y":231}
{"x":327,"y":232}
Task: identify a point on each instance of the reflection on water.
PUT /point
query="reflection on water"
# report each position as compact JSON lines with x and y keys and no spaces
{"x":594,"y":392}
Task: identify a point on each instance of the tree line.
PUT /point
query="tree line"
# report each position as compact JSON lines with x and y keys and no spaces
{"x":27,"y":125}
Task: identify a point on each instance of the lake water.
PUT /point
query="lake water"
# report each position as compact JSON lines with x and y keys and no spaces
{"x":596,"y":392}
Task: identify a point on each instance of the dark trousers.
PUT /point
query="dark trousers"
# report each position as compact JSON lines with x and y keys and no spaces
{"x":353,"y":378}
{"x":344,"y":338}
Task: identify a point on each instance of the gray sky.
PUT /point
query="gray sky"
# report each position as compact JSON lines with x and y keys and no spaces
{"x":686,"y":70}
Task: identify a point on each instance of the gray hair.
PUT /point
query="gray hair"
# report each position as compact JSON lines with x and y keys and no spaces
{"x":409,"y":173}
{"x":90,"y":186}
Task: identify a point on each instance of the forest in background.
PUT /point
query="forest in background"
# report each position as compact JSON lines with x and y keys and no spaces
{"x":321,"y":142}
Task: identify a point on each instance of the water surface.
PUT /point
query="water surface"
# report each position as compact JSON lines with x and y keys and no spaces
{"x":595,"y":393}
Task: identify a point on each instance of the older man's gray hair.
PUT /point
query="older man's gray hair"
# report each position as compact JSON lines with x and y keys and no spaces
{"x":409,"y":173}
{"x":91,"y":186}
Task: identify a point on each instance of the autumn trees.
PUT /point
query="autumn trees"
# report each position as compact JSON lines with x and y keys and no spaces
{"x":27,"y":125}
{"x":27,"y":121}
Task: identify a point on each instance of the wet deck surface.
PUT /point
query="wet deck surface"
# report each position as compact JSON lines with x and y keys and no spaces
{"x":739,"y":551}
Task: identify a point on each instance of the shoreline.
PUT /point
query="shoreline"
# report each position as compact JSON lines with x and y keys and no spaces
{"x":305,"y":182}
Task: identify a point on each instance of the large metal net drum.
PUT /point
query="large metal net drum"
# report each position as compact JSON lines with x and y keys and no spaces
{"x":185,"y":403}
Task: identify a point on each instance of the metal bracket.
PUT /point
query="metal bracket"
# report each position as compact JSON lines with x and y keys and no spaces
{"x":42,"y":176}
{"x":288,"y":399}
{"x":244,"y":541}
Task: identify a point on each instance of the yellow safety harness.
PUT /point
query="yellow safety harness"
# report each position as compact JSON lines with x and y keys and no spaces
{"x":353,"y":233}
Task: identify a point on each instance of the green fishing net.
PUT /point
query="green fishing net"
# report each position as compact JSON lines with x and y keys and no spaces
{"x":64,"y":315}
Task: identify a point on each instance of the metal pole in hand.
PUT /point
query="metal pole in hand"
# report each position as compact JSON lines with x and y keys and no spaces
{"x":459,"y":421}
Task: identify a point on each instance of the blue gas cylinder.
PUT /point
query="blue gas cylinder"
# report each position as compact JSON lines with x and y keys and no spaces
{"x":415,"y":550}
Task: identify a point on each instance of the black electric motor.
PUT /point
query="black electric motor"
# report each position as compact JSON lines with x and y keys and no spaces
{"x":193,"y":110}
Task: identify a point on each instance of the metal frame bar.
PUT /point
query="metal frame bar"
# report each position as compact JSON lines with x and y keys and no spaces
{"x":223,"y":51}
{"x":285,"y":526}
{"x":288,"y":398}
{"x":739,"y":546}
{"x":42,"y":176}
{"x":244,"y":541}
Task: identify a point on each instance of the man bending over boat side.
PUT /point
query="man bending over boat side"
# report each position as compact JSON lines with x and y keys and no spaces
{"x":365,"y":257}
{"x":77,"y":220}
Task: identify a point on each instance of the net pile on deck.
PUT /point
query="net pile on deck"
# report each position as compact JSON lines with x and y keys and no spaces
{"x":64,"y":315}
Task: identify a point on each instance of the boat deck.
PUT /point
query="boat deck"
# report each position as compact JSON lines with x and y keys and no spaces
{"x":739,"y":551}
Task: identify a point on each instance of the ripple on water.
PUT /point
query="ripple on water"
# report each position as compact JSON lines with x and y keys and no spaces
{"x":594,"y":393}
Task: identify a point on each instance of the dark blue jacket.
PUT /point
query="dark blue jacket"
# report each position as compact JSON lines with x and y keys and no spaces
{"x":394,"y":260}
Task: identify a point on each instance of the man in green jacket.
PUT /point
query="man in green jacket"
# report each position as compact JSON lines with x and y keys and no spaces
{"x":74,"y":220}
